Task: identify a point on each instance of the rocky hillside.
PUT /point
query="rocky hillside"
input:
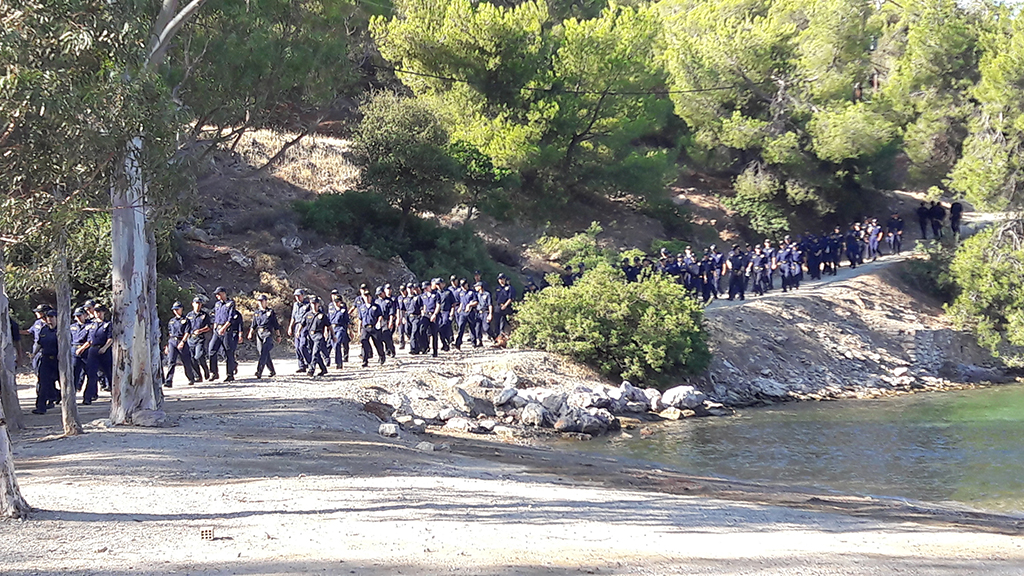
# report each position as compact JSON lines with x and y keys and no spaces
{"x":858,"y":337}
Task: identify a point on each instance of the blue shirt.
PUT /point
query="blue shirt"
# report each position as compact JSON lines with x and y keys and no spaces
{"x":446,"y":301}
{"x":429,"y":300}
{"x":504,"y":293}
{"x":99,"y":334}
{"x":387,"y":306}
{"x":368,"y":313}
{"x":197,"y":321}
{"x":79,"y":334}
{"x":299,"y":310}
{"x":46,"y":341}
{"x":223,"y":312}
{"x":338,"y":315}
{"x":483,"y":301}
{"x":466,"y":298}
{"x":177,"y":327}
{"x":265,"y":320}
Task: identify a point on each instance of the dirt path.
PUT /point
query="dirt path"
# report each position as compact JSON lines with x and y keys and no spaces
{"x":292,"y":478}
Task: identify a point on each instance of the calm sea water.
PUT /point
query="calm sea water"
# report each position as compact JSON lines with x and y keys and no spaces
{"x":966,"y":447}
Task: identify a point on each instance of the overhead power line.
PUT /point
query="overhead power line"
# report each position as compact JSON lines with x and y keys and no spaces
{"x":557,"y":90}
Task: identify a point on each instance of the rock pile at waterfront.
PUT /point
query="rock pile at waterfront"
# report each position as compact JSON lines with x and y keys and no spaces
{"x":508,"y":405}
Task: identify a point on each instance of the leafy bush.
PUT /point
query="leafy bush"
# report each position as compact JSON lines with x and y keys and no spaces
{"x":931,"y":274}
{"x":367,"y":220}
{"x":989,"y":272}
{"x":631,"y":330}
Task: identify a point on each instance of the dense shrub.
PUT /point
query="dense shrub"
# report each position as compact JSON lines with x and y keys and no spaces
{"x":989,"y":273}
{"x":631,"y":330}
{"x":428,"y":249}
{"x":931,"y":274}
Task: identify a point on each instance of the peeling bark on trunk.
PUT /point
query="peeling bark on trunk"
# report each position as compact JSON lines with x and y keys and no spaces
{"x":12,"y":505}
{"x":68,"y":404}
{"x":9,"y":404}
{"x":134,"y":388}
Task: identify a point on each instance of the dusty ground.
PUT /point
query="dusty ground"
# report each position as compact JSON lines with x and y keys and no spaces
{"x":292,"y":478}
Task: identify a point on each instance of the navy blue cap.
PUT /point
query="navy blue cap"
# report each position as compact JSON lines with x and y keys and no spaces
{"x":79,"y":312}
{"x":220,"y":289}
{"x":41,"y":308}
{"x":425,"y":285}
{"x":299,"y":292}
{"x":335,"y":292}
{"x":176,"y":306}
{"x":502,"y":276}
{"x":261,"y":297}
{"x":51,"y":313}
{"x":89,"y":304}
{"x":197,"y":299}
{"x":478,"y":285}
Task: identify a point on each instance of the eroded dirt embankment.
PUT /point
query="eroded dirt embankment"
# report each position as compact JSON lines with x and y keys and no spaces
{"x":862,"y":335}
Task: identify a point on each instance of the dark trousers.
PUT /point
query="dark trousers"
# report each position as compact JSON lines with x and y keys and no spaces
{"x":197,"y":345}
{"x":873,"y":251}
{"x":264,"y":344}
{"x":78,"y":371}
{"x":387,"y":338}
{"x":483,"y":327}
{"x":318,"y":345}
{"x":95,"y":364}
{"x":924,"y":227}
{"x":467,"y":320}
{"x":414,"y":324}
{"x":736,"y":285}
{"x":760,"y":281}
{"x":301,"y":349}
{"x":502,"y":324}
{"x":228,"y":343}
{"x":954,"y":225}
{"x":937,"y":228}
{"x":426,"y":336}
{"x":444,"y":331}
{"x":340,"y":345}
{"x":47,"y":373}
{"x":173,"y":353}
{"x":369,"y":338}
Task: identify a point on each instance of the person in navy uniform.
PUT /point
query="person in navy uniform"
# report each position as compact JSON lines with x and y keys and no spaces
{"x":79,"y":336}
{"x":923,"y":215}
{"x":484,"y":313}
{"x":177,"y":346}
{"x":853,"y":246}
{"x":504,"y":299}
{"x":370,"y":319}
{"x":403,"y":322}
{"x":337,"y":313}
{"x":199,"y":325}
{"x":895,"y":233}
{"x":318,"y":331}
{"x":875,"y":236}
{"x":100,"y":358}
{"x":411,"y":316}
{"x":759,"y":264}
{"x":44,"y":358}
{"x":296,"y":331}
{"x":770,"y":253}
{"x":736,"y":265}
{"x":265,"y":331}
{"x":446,"y":306}
{"x":467,"y":306}
{"x":226,"y":335}
{"x":389,"y":308}
{"x":428,"y":323}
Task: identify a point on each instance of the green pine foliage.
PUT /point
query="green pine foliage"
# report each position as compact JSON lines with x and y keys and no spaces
{"x":642,"y":331}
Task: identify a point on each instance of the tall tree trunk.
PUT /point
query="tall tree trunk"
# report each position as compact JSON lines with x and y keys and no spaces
{"x":12,"y":505}
{"x":133,"y":385}
{"x":68,"y":404}
{"x":9,"y":404}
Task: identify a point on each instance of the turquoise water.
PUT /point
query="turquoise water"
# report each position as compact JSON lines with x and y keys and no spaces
{"x":966,"y":446}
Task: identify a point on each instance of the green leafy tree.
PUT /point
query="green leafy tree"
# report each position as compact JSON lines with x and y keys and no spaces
{"x":563,"y":103}
{"x":406,"y":151}
{"x":479,"y":179}
{"x":649,"y":329}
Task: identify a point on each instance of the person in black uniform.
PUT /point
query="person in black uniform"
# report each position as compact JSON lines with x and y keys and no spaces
{"x":923,"y":215}
{"x":318,"y":330}
{"x":937,"y":214}
{"x":431,"y":309}
{"x":411,"y":316}
{"x":100,"y":358}
{"x":504,"y":297}
{"x":467,"y":315}
{"x":446,"y":307}
{"x":199,"y":326}
{"x":956,"y":214}
{"x":371,"y":319}
{"x":226,"y":334}
{"x":177,"y":346}
{"x":338,"y":314}
{"x":735,"y":264}
{"x":403,"y":322}
{"x":79,"y":336}
{"x":895,"y":233}
{"x":759,"y":270}
{"x":265,"y":331}
{"x":44,"y":353}
{"x":295,"y":330}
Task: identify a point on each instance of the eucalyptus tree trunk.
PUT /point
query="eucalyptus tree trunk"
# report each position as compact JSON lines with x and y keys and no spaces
{"x":12,"y":504}
{"x":135,"y":383}
{"x":9,"y":404}
{"x":68,"y":405}
{"x":137,"y":378}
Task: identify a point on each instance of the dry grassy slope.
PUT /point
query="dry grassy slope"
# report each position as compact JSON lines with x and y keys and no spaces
{"x":865,"y":336}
